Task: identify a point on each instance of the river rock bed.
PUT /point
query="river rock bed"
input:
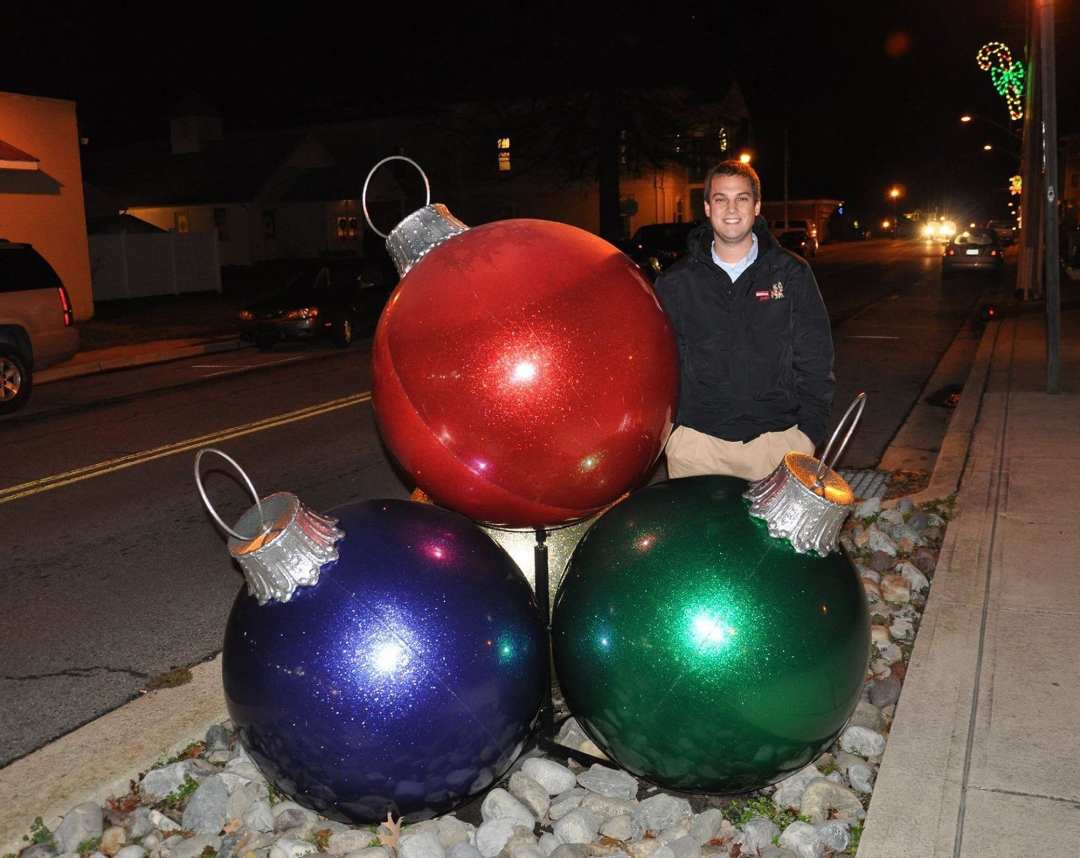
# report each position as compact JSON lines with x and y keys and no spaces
{"x":213,"y":802}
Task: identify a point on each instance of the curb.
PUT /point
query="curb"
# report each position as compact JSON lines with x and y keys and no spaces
{"x":96,"y":761}
{"x":159,"y":354}
{"x":953,"y":453}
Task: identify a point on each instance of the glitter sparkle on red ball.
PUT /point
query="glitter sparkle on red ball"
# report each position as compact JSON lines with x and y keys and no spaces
{"x":524,"y":373}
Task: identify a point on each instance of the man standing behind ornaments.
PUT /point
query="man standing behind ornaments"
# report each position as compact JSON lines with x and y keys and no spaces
{"x":755,"y":346}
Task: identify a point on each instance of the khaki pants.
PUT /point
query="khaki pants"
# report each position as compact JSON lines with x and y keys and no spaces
{"x":691,"y":453}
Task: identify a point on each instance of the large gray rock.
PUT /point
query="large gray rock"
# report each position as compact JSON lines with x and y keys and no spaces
{"x":706,"y":825}
{"x":662,"y":811}
{"x":865,"y":743}
{"x":914,"y":576}
{"x":383,"y":852}
{"x":789,"y":791}
{"x":259,"y":817}
{"x":193,"y":847}
{"x":131,"y":852}
{"x":453,"y":831}
{"x":867,"y":715}
{"x":881,"y":541}
{"x":572,"y":736}
{"x":778,"y":852}
{"x":424,"y":844}
{"x":861,"y":778}
{"x":38,"y":850}
{"x":83,"y":822}
{"x":884,"y":692}
{"x":530,"y":793}
{"x":610,"y":783}
{"x":241,"y":798}
{"x":647,"y":848}
{"x":868,"y":508}
{"x":566,"y":802}
{"x":685,"y":847}
{"x":492,"y":836}
{"x":207,"y":809}
{"x":803,"y":840}
{"x":462,"y":850}
{"x":578,"y":826}
{"x":499,"y":804}
{"x":552,"y":776}
{"x":288,"y":847}
{"x":345,"y":842}
{"x":289,"y":815}
{"x":824,"y":799}
{"x":158,"y":783}
{"x":570,"y":850}
{"x":757,"y":834}
{"x":607,"y":807}
{"x":834,"y":835}
{"x":622,"y":827}
{"x":548,"y":843}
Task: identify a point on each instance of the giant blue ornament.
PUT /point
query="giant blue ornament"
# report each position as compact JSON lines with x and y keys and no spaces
{"x":402,"y":676}
{"x":702,"y":652}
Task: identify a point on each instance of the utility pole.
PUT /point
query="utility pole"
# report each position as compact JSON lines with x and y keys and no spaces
{"x":1030,"y":207}
{"x":1050,"y":168}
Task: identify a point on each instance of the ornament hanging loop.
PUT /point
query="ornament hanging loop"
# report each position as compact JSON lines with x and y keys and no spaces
{"x":367,"y":181}
{"x":210,"y":507}
{"x":857,"y":406}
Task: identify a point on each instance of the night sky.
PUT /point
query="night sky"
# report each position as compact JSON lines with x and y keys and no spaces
{"x":870,"y":92}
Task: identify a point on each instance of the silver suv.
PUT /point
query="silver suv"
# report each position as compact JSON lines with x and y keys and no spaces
{"x":37,"y":324}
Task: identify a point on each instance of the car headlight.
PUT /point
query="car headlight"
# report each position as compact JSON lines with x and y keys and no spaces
{"x":948,"y":229}
{"x":246,"y":315}
{"x":928,"y":231}
{"x":302,"y":313}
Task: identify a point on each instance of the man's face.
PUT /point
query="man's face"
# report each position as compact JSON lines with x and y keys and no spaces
{"x":731,"y":208}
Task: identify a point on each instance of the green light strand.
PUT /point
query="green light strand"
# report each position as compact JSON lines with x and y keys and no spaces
{"x":1006,"y":74}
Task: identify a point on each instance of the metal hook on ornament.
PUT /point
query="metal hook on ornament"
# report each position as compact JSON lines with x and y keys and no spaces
{"x":363,"y":195}
{"x":857,"y":405}
{"x":210,"y":507}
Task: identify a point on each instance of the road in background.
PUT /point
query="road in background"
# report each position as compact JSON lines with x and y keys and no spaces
{"x":114,"y":573}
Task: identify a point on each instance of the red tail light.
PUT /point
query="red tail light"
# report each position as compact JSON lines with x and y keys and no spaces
{"x":993,"y":253}
{"x":950,"y":251}
{"x":65,"y":306}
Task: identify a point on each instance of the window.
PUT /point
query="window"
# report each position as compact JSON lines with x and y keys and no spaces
{"x":180,"y":222}
{"x":221,"y":223}
{"x":269,"y":222}
{"x":503,"y":148}
{"x":348,"y":228}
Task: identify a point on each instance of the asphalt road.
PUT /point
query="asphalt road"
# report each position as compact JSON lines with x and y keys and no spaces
{"x":113,"y":572}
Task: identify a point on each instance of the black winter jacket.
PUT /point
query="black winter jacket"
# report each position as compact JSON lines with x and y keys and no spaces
{"x":755,"y":356}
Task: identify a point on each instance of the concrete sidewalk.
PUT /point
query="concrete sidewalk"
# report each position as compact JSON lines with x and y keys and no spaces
{"x":138,"y":354}
{"x":984,"y":755}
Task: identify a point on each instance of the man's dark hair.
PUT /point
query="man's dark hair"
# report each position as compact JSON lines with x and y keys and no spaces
{"x":734,"y":168}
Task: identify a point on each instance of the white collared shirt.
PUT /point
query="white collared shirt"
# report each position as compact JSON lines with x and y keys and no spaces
{"x":734,"y":269}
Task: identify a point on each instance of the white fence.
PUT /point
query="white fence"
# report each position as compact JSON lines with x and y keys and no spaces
{"x":168,"y":263}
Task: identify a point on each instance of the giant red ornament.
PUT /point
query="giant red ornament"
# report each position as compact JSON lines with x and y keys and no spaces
{"x":524,"y":372}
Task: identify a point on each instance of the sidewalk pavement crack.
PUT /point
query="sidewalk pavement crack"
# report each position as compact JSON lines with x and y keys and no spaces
{"x":1074,"y":802}
{"x":77,"y":672}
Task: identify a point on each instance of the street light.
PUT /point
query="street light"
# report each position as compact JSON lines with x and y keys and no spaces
{"x":894,"y":195}
{"x":744,"y":158}
{"x":987,"y":147}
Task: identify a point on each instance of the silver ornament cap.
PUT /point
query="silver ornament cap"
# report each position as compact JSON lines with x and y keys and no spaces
{"x":798,"y":506}
{"x":289,"y":553}
{"x":280,"y":544}
{"x":422,"y":231}
{"x":804,"y":500}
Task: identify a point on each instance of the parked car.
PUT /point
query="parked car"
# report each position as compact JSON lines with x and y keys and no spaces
{"x":779,"y":227}
{"x":1004,"y":230}
{"x":337,"y":302}
{"x":656,"y":246}
{"x":973,"y":250}
{"x":797,"y":241}
{"x":37,"y":324}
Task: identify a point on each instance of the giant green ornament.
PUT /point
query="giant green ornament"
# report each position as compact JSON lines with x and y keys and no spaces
{"x":698,"y":651}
